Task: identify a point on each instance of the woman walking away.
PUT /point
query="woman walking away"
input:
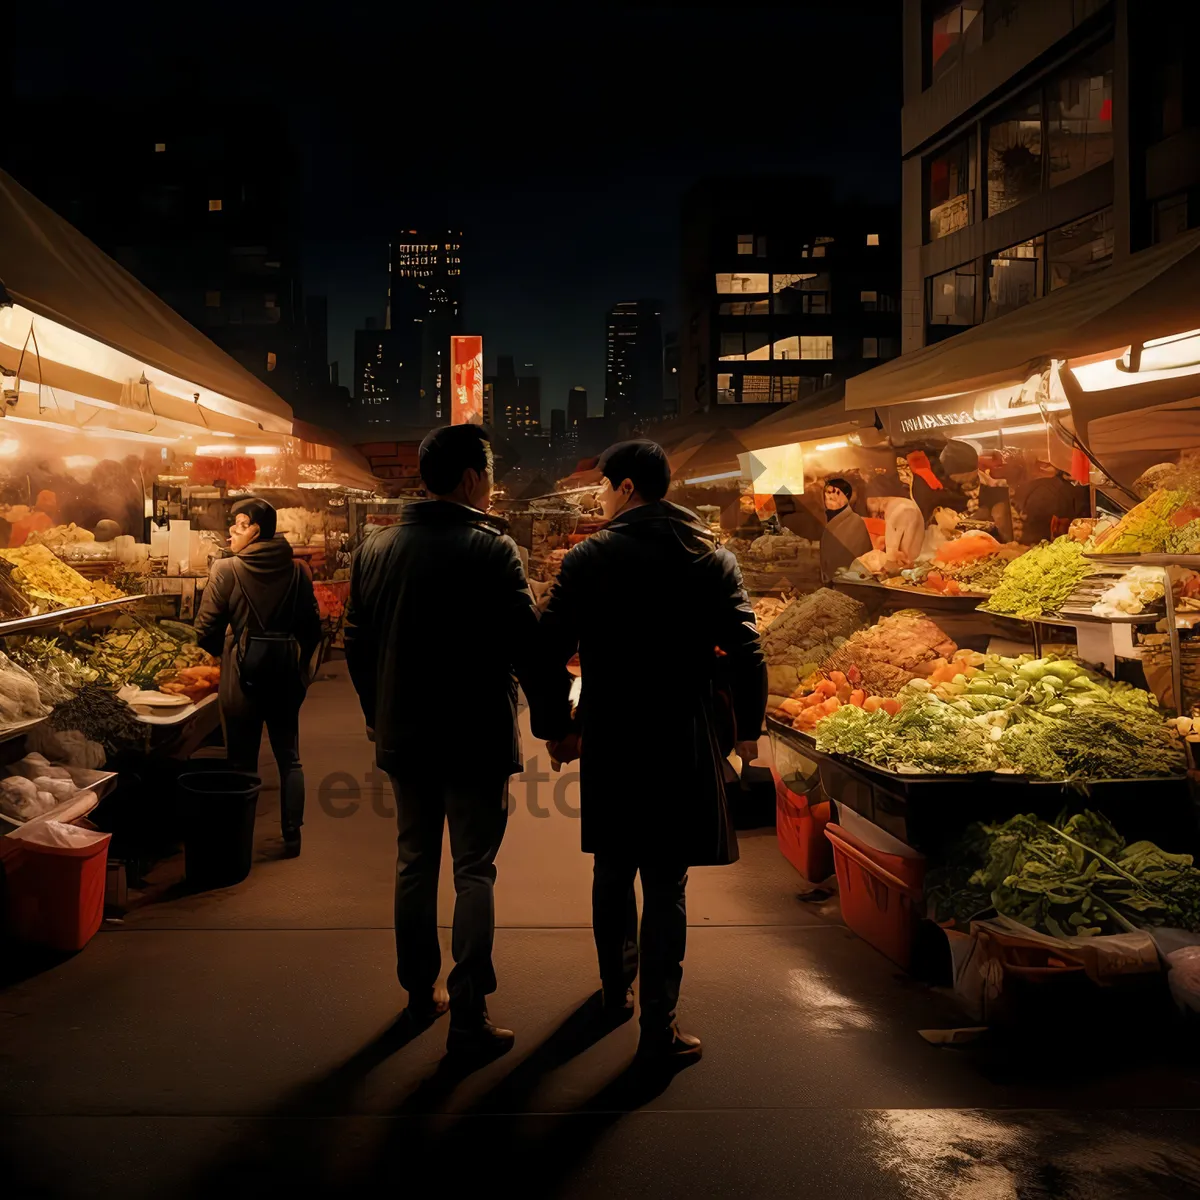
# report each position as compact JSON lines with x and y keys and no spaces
{"x":260,"y":615}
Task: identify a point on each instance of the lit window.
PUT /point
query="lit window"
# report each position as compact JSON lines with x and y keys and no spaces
{"x":740,"y":283}
{"x":870,"y":348}
{"x":868,"y":297}
{"x":214,"y":206}
{"x":270,"y":360}
{"x":271,"y":303}
{"x":872,"y":239}
{"x":745,"y":243}
{"x":160,"y":147}
{"x":212,"y":299}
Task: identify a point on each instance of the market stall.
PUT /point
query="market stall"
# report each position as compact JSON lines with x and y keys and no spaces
{"x":125,"y":435}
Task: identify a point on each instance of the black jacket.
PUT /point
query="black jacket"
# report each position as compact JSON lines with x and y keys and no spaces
{"x":265,"y":571}
{"x":647,"y":601}
{"x":439,"y":618}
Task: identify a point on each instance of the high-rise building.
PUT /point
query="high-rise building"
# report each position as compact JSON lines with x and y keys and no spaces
{"x":196,"y":201}
{"x":577,"y":408}
{"x":671,"y":375}
{"x":516,"y":400}
{"x":1042,"y":141}
{"x":387,"y":380}
{"x":558,"y":427}
{"x":784,"y":290}
{"x":633,"y":363}
{"x":425,"y":289}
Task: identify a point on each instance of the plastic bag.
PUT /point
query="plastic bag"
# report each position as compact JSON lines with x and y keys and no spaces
{"x":58,"y":835}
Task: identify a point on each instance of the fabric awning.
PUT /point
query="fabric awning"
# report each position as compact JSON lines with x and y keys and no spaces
{"x":1155,"y":293}
{"x":823,"y":415}
{"x":706,"y":454}
{"x":347,"y":467}
{"x":98,"y":330}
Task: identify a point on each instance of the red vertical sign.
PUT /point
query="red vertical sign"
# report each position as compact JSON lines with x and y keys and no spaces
{"x":466,"y":369}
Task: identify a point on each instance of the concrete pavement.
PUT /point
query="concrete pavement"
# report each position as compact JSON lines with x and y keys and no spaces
{"x":242,"y":1040}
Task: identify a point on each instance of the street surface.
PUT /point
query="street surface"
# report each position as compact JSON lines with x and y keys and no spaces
{"x":241,"y":1043}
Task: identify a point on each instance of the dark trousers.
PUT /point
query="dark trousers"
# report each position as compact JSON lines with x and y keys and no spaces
{"x":663,"y":933}
{"x":477,"y":813}
{"x":243,"y":736}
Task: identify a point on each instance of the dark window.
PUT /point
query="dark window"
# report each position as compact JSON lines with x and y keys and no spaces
{"x":1014,"y":278}
{"x":956,"y":30}
{"x":1170,"y":217}
{"x":949,"y":188}
{"x":743,"y":343}
{"x":1079,"y":125}
{"x":1014,"y":155}
{"x":744,"y":308}
{"x":1169,"y":108}
{"x":870,"y":347}
{"x":950,"y":297}
{"x":801,"y":293}
{"x":1077,"y":250}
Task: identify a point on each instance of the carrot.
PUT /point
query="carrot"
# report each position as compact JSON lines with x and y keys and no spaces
{"x":838,"y":677}
{"x":891,"y":706}
{"x":829,"y":687}
{"x":831,"y":705}
{"x":858,"y":697}
{"x":872,"y":703}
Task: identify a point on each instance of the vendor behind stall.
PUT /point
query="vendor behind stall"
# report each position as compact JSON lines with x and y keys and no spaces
{"x":904,"y":527}
{"x":845,"y":537}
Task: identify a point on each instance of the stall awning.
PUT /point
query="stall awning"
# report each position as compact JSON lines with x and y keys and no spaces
{"x":1154,"y":293}
{"x":103,"y":329}
{"x":822,"y":415}
{"x":346,"y":466}
{"x":701,"y":457}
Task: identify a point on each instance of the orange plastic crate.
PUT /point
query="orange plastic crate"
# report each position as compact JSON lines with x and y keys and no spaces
{"x":799,"y":826}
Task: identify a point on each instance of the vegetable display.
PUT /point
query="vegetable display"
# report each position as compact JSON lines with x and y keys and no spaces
{"x":50,"y":584}
{"x":889,"y":653}
{"x":1041,"y":580}
{"x":58,"y":673}
{"x":808,"y":630}
{"x":1074,"y":877}
{"x":98,"y":713}
{"x":20,"y":699}
{"x":139,"y":652}
{"x":1130,"y":595}
{"x":1150,"y":525}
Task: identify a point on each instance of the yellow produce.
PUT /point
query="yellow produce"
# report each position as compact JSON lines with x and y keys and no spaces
{"x":51,"y":583}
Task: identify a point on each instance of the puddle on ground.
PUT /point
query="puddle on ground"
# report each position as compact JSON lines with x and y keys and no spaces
{"x":825,"y":1008}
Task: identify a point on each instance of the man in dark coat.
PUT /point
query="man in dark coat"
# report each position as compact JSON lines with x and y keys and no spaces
{"x":659,"y":617}
{"x":440,"y":616}
{"x":248,"y":591}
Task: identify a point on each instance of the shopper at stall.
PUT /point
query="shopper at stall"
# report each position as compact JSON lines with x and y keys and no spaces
{"x":260,"y":589}
{"x":904,"y":529}
{"x":440,"y":616}
{"x":845,"y":536}
{"x":658,"y":615}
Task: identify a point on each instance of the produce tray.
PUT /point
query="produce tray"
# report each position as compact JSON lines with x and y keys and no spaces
{"x":965,"y":602}
{"x":1148,"y":560}
{"x":85,"y":780}
{"x":50,"y":619}
{"x":11,"y":731}
{"x":808,"y":745}
{"x":176,"y":716}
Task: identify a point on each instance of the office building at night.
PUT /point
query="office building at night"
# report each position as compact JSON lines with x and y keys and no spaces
{"x":425,"y":290}
{"x":516,"y":400}
{"x":387,"y":375}
{"x":784,"y":290}
{"x":633,"y":361}
{"x":1042,"y":141}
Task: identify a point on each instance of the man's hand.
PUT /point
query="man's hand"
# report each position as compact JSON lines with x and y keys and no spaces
{"x":370,"y":734}
{"x":564,"y":750}
{"x":747,"y":752}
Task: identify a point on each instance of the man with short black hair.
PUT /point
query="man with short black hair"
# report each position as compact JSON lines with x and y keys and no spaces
{"x":440,"y":616}
{"x":664,"y":632}
{"x":260,"y":586}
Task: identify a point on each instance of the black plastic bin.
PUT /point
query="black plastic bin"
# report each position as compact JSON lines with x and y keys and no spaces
{"x":217,"y":809}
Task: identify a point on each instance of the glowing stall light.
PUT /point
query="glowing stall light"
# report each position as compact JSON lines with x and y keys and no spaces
{"x":1032,"y":427}
{"x":714,"y":478}
{"x":1174,"y":357}
{"x":218,"y":449}
{"x":831,"y":446}
{"x":776,"y":470}
{"x":8,"y":447}
{"x":262,"y":450}
{"x":79,"y":462}
{"x":93,"y":431}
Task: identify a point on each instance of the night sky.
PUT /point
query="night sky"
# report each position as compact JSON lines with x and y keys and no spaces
{"x":560,"y":145}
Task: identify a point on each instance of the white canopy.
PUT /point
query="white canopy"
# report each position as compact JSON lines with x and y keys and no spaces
{"x":74,"y":321}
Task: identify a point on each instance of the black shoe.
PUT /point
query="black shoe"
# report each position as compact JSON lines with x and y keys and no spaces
{"x":480,"y":1040}
{"x":421,"y":1011}
{"x":291,"y":843}
{"x":671,"y":1045}
{"x":616,"y":1005}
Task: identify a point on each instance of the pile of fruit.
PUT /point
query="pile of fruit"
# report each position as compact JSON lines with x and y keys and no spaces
{"x":828,"y":695}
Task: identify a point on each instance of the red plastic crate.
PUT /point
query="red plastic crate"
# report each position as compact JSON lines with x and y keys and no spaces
{"x":876,"y":904}
{"x":56,"y":893}
{"x":799,"y":826}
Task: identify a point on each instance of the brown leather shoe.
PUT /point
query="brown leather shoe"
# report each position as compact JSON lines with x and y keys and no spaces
{"x":478,"y":1041}
{"x":670,"y":1045}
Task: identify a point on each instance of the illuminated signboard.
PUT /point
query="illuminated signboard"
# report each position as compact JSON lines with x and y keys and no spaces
{"x":466,"y":368}
{"x":935,"y":421}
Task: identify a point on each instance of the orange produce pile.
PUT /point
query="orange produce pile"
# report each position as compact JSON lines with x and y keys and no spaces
{"x":829,"y":695}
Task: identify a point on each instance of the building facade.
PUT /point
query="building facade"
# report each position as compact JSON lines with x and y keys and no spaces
{"x":515,"y":399}
{"x":784,"y":290}
{"x":425,"y":291}
{"x":387,"y":376}
{"x":633,"y":362}
{"x":1042,"y":141}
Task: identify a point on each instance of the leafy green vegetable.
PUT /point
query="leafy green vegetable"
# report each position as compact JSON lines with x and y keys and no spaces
{"x":1070,"y":878}
{"x":1041,"y":580}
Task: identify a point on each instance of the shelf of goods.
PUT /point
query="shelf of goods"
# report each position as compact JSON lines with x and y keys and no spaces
{"x":963,"y":602}
{"x":59,"y":616}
